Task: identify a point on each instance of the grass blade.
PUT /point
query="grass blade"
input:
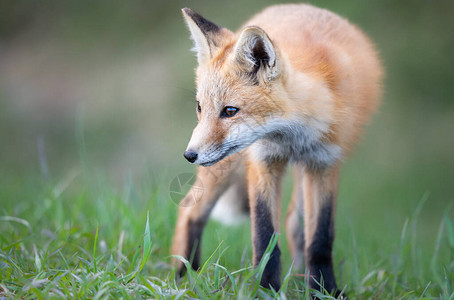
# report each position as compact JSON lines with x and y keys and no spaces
{"x":146,"y":244}
{"x":95,"y":269}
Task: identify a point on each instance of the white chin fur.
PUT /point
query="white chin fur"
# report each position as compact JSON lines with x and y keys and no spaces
{"x":209,"y":162}
{"x":212,"y":158}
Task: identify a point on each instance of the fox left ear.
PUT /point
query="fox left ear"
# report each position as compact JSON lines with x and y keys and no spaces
{"x":206,"y":34}
{"x":255,"y":53}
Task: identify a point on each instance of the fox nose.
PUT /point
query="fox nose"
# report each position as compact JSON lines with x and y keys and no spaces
{"x":190,"y":155}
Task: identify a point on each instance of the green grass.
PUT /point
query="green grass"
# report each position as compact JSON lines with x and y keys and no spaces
{"x":85,"y":238}
{"x":109,"y":85}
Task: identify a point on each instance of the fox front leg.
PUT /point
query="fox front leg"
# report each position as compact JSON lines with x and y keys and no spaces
{"x":193,"y":213}
{"x":320,"y":193}
{"x":264,"y":187}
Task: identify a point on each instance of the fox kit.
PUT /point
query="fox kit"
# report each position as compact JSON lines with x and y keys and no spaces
{"x":294,"y":85}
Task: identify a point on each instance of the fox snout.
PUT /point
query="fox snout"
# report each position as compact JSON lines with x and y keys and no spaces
{"x":210,"y":143}
{"x":204,"y":157}
{"x":205,"y":147}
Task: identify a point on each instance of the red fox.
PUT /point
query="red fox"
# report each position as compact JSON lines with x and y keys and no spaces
{"x":294,"y":85}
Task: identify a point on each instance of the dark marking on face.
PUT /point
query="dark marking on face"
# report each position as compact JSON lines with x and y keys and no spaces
{"x":263,"y":230}
{"x":319,"y":254}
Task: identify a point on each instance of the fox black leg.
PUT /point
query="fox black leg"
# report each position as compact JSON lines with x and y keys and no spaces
{"x":264,"y":184}
{"x":320,"y":190}
{"x":194,"y":212}
{"x":319,"y":253}
{"x":263,"y":232}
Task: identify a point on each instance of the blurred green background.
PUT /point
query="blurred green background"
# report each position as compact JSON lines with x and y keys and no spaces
{"x":110,"y":84}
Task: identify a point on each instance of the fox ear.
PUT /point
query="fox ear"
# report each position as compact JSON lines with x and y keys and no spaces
{"x":203,"y":32}
{"x":255,"y":53}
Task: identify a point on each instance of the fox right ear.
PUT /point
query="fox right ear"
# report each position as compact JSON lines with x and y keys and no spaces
{"x":203,"y":32}
{"x":257,"y":55}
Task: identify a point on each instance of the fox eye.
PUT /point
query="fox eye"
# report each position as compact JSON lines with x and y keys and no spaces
{"x":229,"y":111}
{"x":199,"y":109}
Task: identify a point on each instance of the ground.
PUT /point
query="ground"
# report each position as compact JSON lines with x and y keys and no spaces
{"x":81,"y":237}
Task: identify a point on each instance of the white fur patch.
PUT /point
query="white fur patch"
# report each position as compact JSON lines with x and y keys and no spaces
{"x":228,"y":210}
{"x":298,"y":143}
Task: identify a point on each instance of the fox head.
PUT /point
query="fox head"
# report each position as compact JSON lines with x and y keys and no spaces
{"x":239,"y":86}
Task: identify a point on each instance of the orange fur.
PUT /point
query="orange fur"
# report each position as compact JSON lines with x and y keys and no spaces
{"x":304,"y":82}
